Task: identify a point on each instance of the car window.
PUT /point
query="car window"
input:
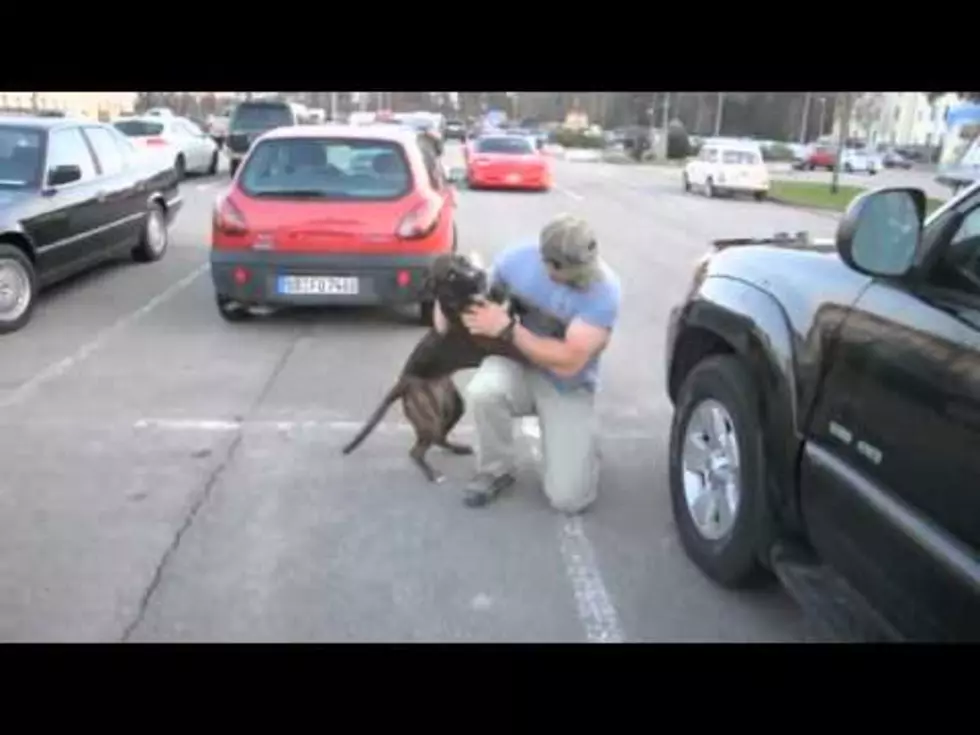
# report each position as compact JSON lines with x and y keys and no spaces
{"x":509,"y":145}
{"x":964,"y":253}
{"x":432,"y":167}
{"x":20,"y":157}
{"x":111,"y":160}
{"x":125,"y":145}
{"x":741,"y":157}
{"x":710,"y":154}
{"x":327,"y":168}
{"x":139,"y":128}
{"x":67,"y":147}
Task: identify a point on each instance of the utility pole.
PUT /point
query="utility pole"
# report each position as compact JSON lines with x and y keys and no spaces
{"x":804,"y":127}
{"x":719,"y":113}
{"x":846,"y":99}
{"x":333,"y":106}
{"x":666,"y":122}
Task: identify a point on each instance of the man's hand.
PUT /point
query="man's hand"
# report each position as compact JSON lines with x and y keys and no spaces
{"x":486,"y":319}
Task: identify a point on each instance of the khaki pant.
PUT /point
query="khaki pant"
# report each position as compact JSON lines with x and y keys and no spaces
{"x":502,"y":390}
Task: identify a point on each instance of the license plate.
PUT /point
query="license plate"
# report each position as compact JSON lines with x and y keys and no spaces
{"x":318,"y":286}
{"x":513,"y":178}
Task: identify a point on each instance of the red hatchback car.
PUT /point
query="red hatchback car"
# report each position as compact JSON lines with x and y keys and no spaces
{"x":331,"y":215}
{"x":507,"y":162}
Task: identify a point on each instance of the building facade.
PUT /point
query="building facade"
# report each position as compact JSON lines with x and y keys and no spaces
{"x":900,"y":118}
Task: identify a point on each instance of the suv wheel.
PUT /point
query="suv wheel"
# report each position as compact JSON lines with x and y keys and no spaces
{"x":718,"y":473}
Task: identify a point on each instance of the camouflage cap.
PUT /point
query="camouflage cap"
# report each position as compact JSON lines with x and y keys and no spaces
{"x":569,"y":249}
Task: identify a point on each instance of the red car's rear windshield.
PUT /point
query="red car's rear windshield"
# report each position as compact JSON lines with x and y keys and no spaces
{"x":513,"y":145}
{"x":327,"y":168}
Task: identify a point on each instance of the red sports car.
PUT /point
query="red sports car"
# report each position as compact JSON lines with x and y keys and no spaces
{"x":507,"y":162}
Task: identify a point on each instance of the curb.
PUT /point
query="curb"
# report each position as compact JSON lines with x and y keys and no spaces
{"x":828,"y":213}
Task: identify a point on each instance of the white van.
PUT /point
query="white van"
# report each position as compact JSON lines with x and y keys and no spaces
{"x":728,"y":166}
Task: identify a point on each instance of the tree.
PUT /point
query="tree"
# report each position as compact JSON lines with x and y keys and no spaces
{"x":867,"y":109}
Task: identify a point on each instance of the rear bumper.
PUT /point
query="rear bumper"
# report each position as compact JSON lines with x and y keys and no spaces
{"x":475,"y":177}
{"x":377,"y":277}
{"x":746,"y":187}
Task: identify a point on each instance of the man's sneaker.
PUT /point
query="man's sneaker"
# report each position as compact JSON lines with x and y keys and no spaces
{"x":484,"y":487}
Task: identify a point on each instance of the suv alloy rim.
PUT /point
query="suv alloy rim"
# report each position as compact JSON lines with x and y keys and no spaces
{"x":710,"y":461}
{"x":15,"y":290}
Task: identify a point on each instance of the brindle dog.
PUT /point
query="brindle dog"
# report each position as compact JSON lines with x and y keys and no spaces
{"x":430,"y":399}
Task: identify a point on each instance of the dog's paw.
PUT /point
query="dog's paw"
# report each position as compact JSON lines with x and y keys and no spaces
{"x":438,"y":478}
{"x":463,"y":450}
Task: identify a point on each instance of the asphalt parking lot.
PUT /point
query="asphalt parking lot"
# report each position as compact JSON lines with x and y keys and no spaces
{"x":168,"y":476}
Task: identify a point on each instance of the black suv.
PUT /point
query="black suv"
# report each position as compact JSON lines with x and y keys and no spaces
{"x":251,"y":119}
{"x":827,"y":417}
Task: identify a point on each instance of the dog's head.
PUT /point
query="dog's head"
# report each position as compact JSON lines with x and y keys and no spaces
{"x":456,"y":280}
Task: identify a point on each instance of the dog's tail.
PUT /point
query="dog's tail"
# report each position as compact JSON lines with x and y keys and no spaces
{"x":396,"y":392}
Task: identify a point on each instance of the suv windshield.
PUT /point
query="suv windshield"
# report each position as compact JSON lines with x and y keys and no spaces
{"x":20,"y":157}
{"x":261,"y":116}
{"x":138,"y":128}
{"x":327,"y":168}
{"x":513,"y":145}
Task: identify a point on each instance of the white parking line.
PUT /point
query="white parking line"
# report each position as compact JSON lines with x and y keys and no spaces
{"x":569,"y":193}
{"x":342,"y":426}
{"x":595,"y":607}
{"x":24,"y":391}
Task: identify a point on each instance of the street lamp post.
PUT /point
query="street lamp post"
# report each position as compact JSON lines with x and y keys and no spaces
{"x":719,"y":113}
{"x":806,"y":117}
{"x":846,"y":98}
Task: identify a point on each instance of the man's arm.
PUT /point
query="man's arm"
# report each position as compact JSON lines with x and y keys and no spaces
{"x":586,"y":336}
{"x":563,"y":357}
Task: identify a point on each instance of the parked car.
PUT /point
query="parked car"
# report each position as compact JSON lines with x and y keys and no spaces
{"x":508,"y":162}
{"x":455,"y":130}
{"x":189,"y":149}
{"x":818,"y":156}
{"x":894,"y":159}
{"x":727,"y":166}
{"x":332,"y":215}
{"x":74,"y":193}
{"x":860,"y":160}
{"x":827,"y":417}
{"x":250,"y":120}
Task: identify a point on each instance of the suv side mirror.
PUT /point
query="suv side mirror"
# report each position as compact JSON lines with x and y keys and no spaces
{"x":879,"y":234}
{"x":61,"y":175}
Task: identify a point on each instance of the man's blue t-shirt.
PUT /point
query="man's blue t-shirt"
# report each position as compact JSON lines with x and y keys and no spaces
{"x":524,"y":273}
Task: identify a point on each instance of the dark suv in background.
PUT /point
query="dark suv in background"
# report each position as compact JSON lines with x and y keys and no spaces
{"x":251,"y":119}
{"x":827,"y":417}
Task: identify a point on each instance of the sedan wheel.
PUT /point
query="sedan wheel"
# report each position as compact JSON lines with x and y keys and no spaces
{"x":17,"y":289}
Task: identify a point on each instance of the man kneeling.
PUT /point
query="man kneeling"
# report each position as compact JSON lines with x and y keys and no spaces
{"x":559,"y":280}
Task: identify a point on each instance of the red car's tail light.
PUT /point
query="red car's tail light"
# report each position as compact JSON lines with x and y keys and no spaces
{"x":241,"y":276}
{"x":228,"y":219}
{"x":422,"y":220}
